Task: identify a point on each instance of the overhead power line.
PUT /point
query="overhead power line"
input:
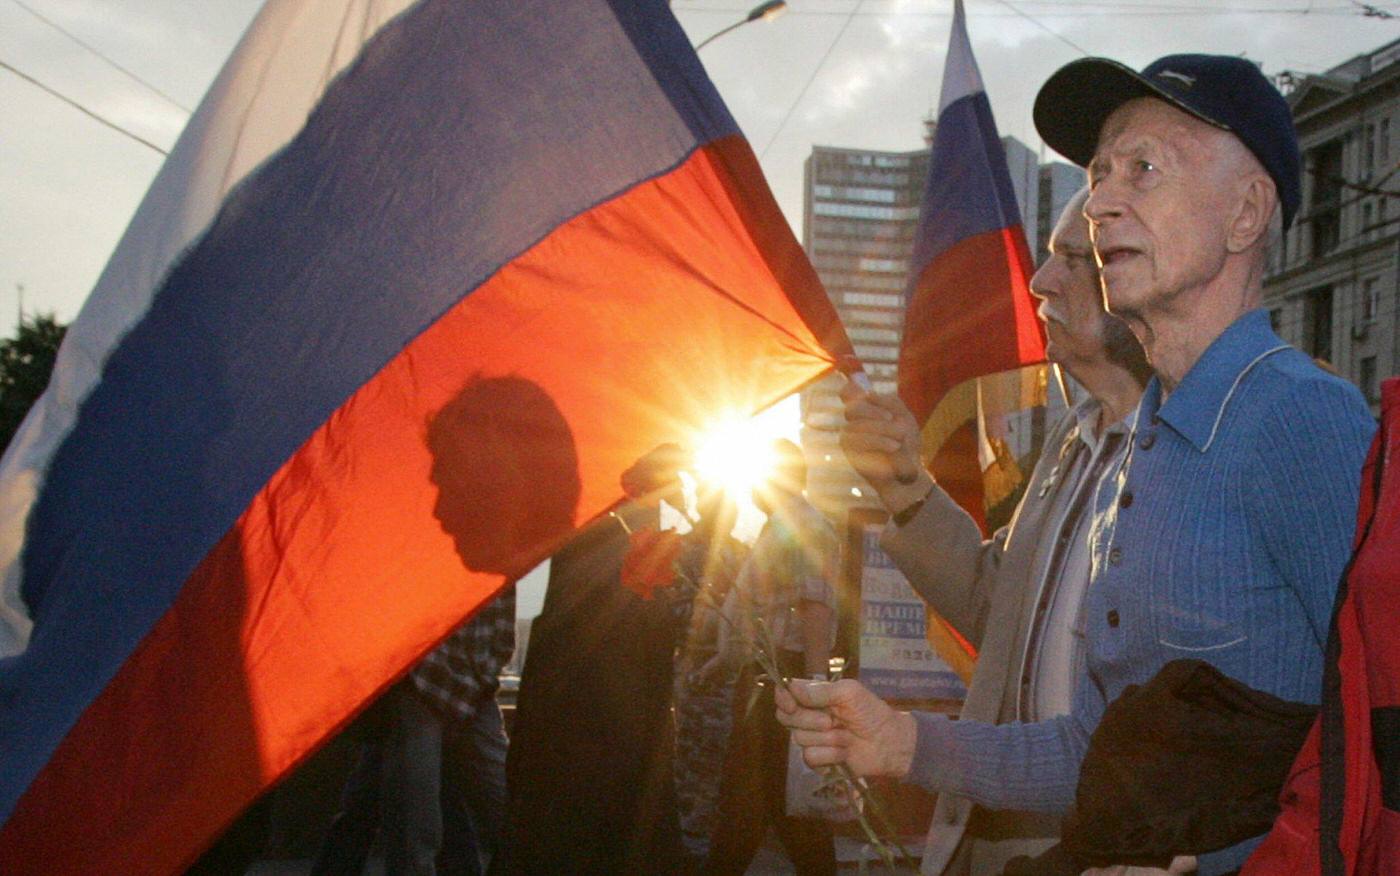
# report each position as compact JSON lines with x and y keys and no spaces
{"x":99,"y":54}
{"x":1095,"y":10}
{"x":1370,"y":11}
{"x":850,"y":16}
{"x":82,"y":109}
{"x":1035,"y":21}
{"x":810,"y":79}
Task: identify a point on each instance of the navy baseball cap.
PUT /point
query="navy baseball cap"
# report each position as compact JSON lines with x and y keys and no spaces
{"x":1229,"y":93}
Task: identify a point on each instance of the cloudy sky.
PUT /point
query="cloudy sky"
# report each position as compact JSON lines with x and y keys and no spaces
{"x":860,"y":73}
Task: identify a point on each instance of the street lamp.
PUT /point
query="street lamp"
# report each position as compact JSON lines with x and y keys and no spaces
{"x":766,"y":11}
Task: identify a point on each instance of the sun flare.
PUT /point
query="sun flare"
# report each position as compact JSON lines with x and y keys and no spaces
{"x":736,"y":452}
{"x":732,"y":455}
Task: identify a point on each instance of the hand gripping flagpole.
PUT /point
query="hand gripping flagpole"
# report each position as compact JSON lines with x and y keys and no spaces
{"x":854,"y":371}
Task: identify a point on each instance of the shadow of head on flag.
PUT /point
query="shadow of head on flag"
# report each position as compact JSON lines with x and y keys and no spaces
{"x":970,"y":323}
{"x":491,"y":445}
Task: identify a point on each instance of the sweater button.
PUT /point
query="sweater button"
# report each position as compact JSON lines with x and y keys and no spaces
{"x":1126,"y":500}
{"x":1146,"y":441}
{"x":1115,"y":556}
{"x":1112,"y":618}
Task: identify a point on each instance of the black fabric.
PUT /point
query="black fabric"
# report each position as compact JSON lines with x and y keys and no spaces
{"x":1189,"y":763}
{"x":588,"y":768}
{"x":1385,"y":740}
{"x":1332,"y":744}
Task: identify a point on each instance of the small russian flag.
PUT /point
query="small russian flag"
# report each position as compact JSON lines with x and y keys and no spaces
{"x":969,"y":310}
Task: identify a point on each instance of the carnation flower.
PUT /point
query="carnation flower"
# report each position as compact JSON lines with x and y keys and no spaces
{"x":651,"y":561}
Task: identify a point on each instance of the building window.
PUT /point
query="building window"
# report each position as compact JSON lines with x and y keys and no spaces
{"x":888,"y":266}
{"x":1325,"y":209}
{"x":877,"y":317}
{"x":1370,"y":300}
{"x":876,"y":352}
{"x":1276,"y":319}
{"x":1368,"y":218}
{"x":899,"y":180}
{"x":862,"y":211}
{"x":1366,"y":378}
{"x":1368,"y":151}
{"x":862,"y":247}
{"x":855,"y":193}
{"x":1319,"y":323}
{"x":822,"y":227}
{"x":866,"y":193}
{"x":861,"y":333}
{"x":835,"y":279}
{"x":837,"y":270}
{"x":1383,"y":142}
{"x":868,"y":299}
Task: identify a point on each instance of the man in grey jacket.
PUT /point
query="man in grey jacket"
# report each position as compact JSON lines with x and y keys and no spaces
{"x":1017,"y":595}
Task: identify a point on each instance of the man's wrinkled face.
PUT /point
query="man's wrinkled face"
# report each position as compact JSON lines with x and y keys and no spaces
{"x":1158,"y":206}
{"x":1071,"y":300}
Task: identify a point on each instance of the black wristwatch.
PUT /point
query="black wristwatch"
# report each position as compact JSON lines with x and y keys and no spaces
{"x":910,"y":510}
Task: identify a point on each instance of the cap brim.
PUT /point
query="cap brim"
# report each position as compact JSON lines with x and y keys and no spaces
{"x":1074,"y":103}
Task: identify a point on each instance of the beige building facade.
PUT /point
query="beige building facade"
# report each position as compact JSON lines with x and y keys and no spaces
{"x":1332,"y":285}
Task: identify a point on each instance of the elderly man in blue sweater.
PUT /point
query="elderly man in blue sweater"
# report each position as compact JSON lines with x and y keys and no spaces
{"x":1223,"y":534}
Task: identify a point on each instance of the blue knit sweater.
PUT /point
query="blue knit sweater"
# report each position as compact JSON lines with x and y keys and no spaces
{"x":1222,"y":538}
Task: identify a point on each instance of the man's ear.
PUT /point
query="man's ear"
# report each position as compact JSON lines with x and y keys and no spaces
{"x":1257,"y":201}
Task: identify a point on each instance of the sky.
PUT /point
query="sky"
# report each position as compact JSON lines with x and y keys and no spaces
{"x":853,"y":73}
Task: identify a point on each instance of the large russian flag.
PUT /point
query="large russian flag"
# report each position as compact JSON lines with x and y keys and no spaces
{"x":417,"y":283}
{"x":968,"y":306}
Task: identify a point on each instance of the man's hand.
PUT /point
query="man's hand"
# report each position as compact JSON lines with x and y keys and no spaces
{"x":843,"y":722}
{"x":881,"y":441}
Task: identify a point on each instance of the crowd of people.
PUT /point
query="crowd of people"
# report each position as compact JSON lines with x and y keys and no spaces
{"x":1152,"y":626}
{"x":637,"y":745}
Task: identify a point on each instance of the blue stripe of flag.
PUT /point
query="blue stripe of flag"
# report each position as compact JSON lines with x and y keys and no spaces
{"x":968,"y":190}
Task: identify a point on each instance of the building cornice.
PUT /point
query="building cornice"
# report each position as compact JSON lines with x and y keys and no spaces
{"x":1355,"y":92}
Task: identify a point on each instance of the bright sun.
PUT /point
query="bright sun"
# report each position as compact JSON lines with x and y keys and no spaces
{"x":737,"y":453}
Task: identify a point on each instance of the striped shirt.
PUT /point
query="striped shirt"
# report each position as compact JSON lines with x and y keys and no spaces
{"x":461,"y":673}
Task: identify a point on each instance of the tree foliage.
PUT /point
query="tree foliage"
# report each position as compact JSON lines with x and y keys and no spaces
{"x":26,"y":361}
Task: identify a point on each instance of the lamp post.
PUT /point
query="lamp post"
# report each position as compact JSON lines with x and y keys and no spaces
{"x":765,"y":11}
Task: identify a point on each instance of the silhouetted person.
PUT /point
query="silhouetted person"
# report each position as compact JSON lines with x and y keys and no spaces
{"x":589,"y":768}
